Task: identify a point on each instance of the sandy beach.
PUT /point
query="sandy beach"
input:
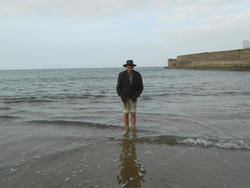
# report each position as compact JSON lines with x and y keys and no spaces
{"x":65,"y":156}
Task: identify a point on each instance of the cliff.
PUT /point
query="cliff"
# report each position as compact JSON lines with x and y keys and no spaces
{"x":228,"y":60}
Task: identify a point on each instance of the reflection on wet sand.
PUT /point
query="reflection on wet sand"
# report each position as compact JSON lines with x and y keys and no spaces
{"x":131,"y":170}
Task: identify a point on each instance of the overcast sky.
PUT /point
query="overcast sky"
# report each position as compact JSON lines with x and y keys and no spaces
{"x":105,"y":33}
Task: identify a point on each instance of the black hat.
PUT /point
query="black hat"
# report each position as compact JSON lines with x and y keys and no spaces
{"x":129,"y":62}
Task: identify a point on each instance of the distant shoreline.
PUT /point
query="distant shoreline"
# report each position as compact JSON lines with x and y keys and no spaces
{"x":209,"y":68}
{"x":77,"y":68}
{"x":238,"y":60}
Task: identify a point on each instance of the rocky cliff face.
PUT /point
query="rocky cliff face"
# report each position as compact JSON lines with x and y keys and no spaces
{"x":234,"y":59}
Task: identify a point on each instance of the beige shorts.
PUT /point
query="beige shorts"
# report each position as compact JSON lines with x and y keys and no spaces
{"x":129,"y":107}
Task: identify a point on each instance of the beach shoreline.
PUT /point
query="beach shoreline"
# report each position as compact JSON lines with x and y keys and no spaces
{"x":65,"y":156}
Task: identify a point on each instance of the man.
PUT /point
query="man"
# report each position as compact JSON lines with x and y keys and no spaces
{"x":129,"y":88}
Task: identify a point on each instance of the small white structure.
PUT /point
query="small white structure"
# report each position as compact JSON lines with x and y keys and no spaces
{"x":245,"y":44}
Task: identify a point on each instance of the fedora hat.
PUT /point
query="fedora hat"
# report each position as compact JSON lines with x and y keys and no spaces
{"x":130,"y":63}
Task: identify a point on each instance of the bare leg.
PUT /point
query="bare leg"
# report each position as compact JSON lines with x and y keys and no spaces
{"x":126,"y":120}
{"x":133,"y":120}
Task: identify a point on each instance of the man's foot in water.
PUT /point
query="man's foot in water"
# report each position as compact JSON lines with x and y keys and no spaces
{"x":133,"y":128}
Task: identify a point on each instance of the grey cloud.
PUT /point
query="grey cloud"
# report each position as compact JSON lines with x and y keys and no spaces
{"x":199,"y":10}
{"x":87,"y":8}
{"x":102,"y":8}
{"x":226,"y":33}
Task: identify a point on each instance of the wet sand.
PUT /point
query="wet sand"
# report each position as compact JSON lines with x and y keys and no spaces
{"x":67,"y":156}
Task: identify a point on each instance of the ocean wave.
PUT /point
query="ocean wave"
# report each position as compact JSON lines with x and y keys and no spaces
{"x":229,"y":144}
{"x":147,"y":98}
{"x":76,"y":123}
{"x":8,"y":117}
{"x":5,"y":108}
{"x":224,"y":144}
{"x":208,"y":93}
{"x":172,"y":140}
{"x":24,"y":100}
{"x":48,"y":98}
{"x":95,"y":96}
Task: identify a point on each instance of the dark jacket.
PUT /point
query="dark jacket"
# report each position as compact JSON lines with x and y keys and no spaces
{"x":127,"y":91}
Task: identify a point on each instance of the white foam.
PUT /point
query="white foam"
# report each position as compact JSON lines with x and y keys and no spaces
{"x":13,"y":169}
{"x":66,"y":179}
{"x":198,"y":141}
{"x":225,"y":144}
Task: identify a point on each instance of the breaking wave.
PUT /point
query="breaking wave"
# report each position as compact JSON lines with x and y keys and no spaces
{"x":8,"y":117}
{"x":48,"y":98}
{"x":172,"y":140}
{"x":204,"y":93}
{"x":75,"y":123}
{"x":230,"y":144}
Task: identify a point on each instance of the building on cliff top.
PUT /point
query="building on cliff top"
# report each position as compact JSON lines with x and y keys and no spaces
{"x":245,"y":44}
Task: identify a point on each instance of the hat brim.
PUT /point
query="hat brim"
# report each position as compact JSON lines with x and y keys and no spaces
{"x":125,"y":65}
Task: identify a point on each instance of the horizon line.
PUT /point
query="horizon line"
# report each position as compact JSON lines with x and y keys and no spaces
{"x":76,"y":68}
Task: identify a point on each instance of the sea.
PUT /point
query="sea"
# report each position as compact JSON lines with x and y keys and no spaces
{"x":207,"y":108}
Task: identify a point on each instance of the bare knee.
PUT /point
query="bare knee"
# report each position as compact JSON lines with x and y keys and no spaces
{"x":133,"y":115}
{"x":126,"y":115}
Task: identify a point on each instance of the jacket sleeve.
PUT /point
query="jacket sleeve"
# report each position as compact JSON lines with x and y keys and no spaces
{"x":140,"y":88}
{"x":118,"y":86}
{"x":118,"y":89}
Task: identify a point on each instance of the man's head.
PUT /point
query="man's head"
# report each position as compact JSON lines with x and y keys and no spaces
{"x":129,"y":65}
{"x":129,"y":68}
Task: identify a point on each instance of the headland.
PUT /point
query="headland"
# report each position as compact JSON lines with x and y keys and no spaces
{"x":224,"y":60}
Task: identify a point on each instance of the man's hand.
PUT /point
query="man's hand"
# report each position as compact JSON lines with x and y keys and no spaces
{"x":133,"y":98}
{"x":124,"y":99}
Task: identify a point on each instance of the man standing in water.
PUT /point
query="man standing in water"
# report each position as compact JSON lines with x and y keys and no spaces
{"x":129,"y":88}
